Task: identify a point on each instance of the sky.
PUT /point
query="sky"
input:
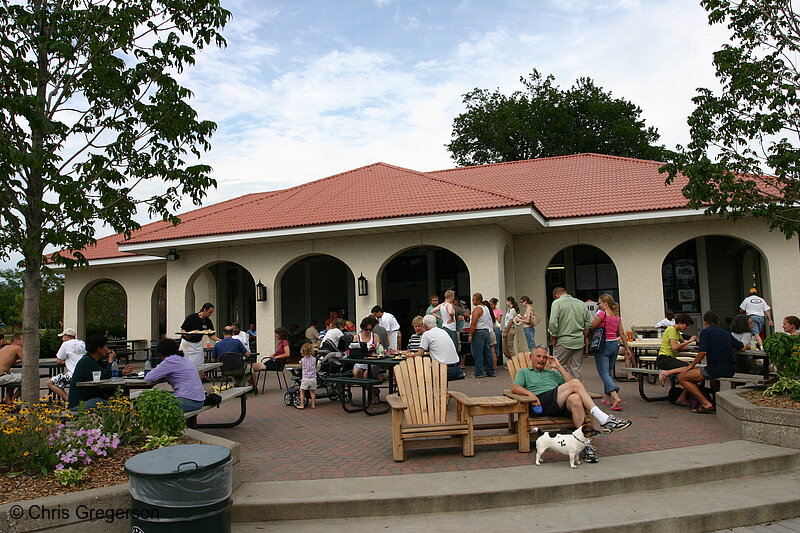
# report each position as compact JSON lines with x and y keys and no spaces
{"x":307,"y":89}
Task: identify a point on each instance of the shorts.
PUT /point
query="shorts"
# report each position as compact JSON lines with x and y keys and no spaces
{"x":10,"y":377}
{"x":705,"y":374}
{"x":550,"y":405}
{"x":308,"y":384}
{"x":61,"y":380}
{"x":666,"y":362}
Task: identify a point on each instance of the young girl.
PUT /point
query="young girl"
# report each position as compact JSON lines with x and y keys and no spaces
{"x":510,"y":331}
{"x":528,"y":319}
{"x":309,"y":381}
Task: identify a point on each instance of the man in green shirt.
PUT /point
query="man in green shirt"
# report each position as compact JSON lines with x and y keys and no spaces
{"x":434,"y":305}
{"x":560,"y":394}
{"x":97,"y":359}
{"x":568,"y":324}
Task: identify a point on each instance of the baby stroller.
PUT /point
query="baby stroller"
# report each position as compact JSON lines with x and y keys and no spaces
{"x":329,"y":364}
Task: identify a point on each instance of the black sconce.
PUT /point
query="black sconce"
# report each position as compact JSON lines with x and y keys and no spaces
{"x":172,"y":255}
{"x":261,"y":292}
{"x":362,"y":285}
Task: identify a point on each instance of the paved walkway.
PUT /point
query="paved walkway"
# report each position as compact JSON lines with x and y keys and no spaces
{"x":280,"y":443}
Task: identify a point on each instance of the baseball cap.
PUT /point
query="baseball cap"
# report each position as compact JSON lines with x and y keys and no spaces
{"x":753,"y":290}
{"x":68,"y":331}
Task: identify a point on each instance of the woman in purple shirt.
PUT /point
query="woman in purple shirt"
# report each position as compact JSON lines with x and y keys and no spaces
{"x":180,"y":373}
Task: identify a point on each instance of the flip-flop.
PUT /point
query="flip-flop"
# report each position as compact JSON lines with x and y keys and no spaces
{"x":703,"y":411}
{"x":627,"y":380}
{"x":605,"y":402}
{"x":617,"y":408}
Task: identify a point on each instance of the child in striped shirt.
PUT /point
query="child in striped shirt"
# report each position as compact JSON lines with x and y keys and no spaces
{"x":308,"y":363}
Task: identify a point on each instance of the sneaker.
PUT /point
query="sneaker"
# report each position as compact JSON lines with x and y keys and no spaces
{"x":590,"y":454}
{"x":614,"y":424}
{"x":478,"y":376}
{"x":492,"y":375}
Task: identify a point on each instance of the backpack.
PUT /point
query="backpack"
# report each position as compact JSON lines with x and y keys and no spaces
{"x":212,"y":399}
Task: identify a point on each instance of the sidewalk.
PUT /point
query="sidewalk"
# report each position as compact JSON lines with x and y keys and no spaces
{"x":280,"y":443}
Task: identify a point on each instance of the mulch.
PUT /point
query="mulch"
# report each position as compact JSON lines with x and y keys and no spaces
{"x":780,"y":402}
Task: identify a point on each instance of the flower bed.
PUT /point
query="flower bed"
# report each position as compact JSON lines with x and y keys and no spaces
{"x":44,"y":445}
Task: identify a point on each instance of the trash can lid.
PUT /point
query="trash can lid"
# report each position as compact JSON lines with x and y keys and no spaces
{"x":177,"y":461}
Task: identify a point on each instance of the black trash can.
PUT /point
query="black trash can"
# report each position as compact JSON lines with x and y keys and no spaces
{"x":183,"y":488}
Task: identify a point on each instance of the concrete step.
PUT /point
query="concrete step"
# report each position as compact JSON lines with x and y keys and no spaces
{"x":695,"y":508}
{"x":552,"y":483}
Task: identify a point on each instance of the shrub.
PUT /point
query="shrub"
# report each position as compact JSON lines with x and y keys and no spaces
{"x":784,"y":352}
{"x":785,"y":386}
{"x":159,"y":414}
{"x":74,"y":446}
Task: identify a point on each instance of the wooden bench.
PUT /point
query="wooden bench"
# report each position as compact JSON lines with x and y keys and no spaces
{"x":227,"y":394}
{"x":345,"y":383}
{"x":735,"y":380}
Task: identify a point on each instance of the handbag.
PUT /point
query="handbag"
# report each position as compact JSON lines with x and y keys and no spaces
{"x":535,"y":319}
{"x":598,"y":337}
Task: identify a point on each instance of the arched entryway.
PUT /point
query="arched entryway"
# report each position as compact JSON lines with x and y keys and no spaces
{"x":712,"y":273}
{"x":105,"y":309}
{"x":410,"y":278}
{"x":585,"y":271}
{"x":311,"y":289}
{"x":227,"y":285}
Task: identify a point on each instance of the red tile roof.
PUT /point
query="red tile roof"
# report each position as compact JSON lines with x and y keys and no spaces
{"x":559,"y":187}
{"x":578,"y":185}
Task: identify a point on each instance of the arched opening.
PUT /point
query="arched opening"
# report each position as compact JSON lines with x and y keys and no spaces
{"x":106,"y":309}
{"x":314,"y":288}
{"x":585,"y":271}
{"x":410,"y":278}
{"x":711,"y":273}
{"x":158,"y":308}
{"x":232,"y":290}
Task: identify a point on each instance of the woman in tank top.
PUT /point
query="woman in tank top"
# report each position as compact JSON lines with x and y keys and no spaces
{"x":606,"y":357}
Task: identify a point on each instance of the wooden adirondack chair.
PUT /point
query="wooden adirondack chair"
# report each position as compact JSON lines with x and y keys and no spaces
{"x":419,"y":410}
{"x":522,"y":360}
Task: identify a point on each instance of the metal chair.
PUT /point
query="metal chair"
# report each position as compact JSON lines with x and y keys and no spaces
{"x":278,"y":372}
{"x":234,"y":368}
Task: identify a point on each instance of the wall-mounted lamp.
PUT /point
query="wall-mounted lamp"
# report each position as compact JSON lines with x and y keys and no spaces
{"x":173,"y":255}
{"x":362,"y":285}
{"x":261,"y":292}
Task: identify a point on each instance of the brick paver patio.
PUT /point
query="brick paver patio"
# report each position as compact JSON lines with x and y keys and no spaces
{"x":283,"y":443}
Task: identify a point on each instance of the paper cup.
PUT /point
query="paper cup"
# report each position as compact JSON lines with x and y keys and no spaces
{"x":96,"y":375}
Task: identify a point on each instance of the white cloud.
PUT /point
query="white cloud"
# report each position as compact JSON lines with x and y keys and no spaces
{"x":293,"y":106}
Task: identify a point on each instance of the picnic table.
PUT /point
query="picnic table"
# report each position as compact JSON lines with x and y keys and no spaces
{"x":367,"y":384}
{"x":131,"y":382}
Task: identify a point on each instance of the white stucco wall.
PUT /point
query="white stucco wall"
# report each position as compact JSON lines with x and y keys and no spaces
{"x":138,"y":282}
{"x":637,"y":251}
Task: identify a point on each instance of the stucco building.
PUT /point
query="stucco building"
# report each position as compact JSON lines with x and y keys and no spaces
{"x":589,"y":222}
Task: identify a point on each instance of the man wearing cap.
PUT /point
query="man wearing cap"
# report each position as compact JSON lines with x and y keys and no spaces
{"x":756,"y":307}
{"x":192,"y":344}
{"x":69,"y":354}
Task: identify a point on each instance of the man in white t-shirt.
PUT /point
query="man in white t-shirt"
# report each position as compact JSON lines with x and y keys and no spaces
{"x":757,"y":309}
{"x":438,"y":343}
{"x":68,"y":354}
{"x":389,"y":323}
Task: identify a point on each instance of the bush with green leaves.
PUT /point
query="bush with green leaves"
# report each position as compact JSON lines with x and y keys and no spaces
{"x":71,"y":476}
{"x":159,"y":414}
{"x":784,"y":352}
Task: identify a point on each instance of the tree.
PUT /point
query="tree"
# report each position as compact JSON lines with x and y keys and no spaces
{"x":545,"y":121}
{"x":90,"y":111}
{"x":743,"y":158}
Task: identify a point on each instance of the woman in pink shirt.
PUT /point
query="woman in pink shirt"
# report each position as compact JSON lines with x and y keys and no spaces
{"x":606,"y":357}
